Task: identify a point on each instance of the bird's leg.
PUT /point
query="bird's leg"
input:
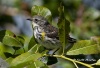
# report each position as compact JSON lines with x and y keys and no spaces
{"x":52,"y":52}
{"x":55,"y":51}
{"x":51,"y":59}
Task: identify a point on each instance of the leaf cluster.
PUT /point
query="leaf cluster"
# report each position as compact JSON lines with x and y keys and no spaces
{"x":12,"y":46}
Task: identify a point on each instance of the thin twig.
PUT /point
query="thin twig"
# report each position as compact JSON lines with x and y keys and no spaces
{"x":93,"y":64}
{"x":66,"y":58}
{"x":75,"y":64}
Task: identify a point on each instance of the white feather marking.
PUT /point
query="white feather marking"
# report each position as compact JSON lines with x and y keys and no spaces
{"x":34,"y":24}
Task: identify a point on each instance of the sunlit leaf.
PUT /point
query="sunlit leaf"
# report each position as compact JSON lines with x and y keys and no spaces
{"x":9,"y":60}
{"x":32,"y":65}
{"x":98,"y":62}
{"x":34,"y":49}
{"x":42,"y":11}
{"x":24,"y":59}
{"x":40,"y":64}
{"x":2,"y":54}
{"x":20,"y":51}
{"x":84,"y":47}
{"x":37,"y":64}
{"x":7,"y":49}
{"x":9,"y":38}
{"x":5,"y":32}
{"x":11,"y":41}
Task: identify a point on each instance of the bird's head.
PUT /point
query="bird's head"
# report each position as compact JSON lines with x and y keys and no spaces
{"x":38,"y":21}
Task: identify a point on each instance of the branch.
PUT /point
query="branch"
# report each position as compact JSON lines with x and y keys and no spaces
{"x":75,"y":65}
{"x":75,"y":61}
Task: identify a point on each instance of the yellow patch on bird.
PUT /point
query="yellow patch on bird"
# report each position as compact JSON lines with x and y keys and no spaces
{"x":43,"y":35}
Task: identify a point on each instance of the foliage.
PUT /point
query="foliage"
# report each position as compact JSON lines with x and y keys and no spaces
{"x":62,"y":24}
{"x":42,"y":11}
{"x":10,"y":44}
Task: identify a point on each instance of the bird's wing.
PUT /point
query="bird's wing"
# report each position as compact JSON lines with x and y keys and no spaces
{"x":51,"y":31}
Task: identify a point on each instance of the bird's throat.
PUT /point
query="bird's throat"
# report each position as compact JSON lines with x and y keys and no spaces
{"x":34,"y":24}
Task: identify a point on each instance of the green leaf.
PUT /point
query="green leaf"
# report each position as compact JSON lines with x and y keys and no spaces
{"x":42,"y":11}
{"x":40,"y":64}
{"x":21,"y":39}
{"x":20,"y":51}
{"x":4,"y":48}
{"x":37,"y":48}
{"x":2,"y":51}
{"x":84,"y":47}
{"x":34,"y":49}
{"x":9,"y":60}
{"x":37,"y":64}
{"x":42,"y":50}
{"x":9,"y":38}
{"x":64,"y":27}
{"x":32,"y":43}
{"x":98,"y":62}
{"x":24,"y":59}
{"x":32,"y":65}
{"x":2,"y":54}
{"x":11,"y":41}
{"x":5,"y":32}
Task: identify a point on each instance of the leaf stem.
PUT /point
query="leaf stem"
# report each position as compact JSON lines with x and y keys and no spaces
{"x":63,"y":51}
{"x":75,"y":61}
{"x":93,"y":64}
{"x":35,"y":64}
{"x":75,"y":65}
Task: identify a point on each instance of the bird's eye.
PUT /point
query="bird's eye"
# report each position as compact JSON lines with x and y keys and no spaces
{"x":36,"y":20}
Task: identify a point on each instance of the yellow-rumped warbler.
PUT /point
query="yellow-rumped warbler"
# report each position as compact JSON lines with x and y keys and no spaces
{"x":46,"y":34}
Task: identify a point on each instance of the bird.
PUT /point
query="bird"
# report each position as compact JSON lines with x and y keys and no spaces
{"x":46,"y":34}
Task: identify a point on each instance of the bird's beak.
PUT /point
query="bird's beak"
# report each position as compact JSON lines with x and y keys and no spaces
{"x":30,"y":19}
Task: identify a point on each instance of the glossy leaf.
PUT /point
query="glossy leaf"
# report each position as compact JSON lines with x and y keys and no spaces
{"x":5,"y":32}
{"x":37,"y":48}
{"x":37,"y":64}
{"x":32,"y":65}
{"x":9,"y":38}
{"x":42,"y":11}
{"x":2,"y":54}
{"x":34,"y":49}
{"x":9,"y":60}
{"x":24,"y":60}
{"x":11,"y":41}
{"x":20,"y":51}
{"x":40,"y":64}
{"x":98,"y":62}
{"x":84,"y":47}
{"x":7,"y":49}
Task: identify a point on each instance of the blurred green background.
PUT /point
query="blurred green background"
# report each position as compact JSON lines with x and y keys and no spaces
{"x":84,"y":16}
